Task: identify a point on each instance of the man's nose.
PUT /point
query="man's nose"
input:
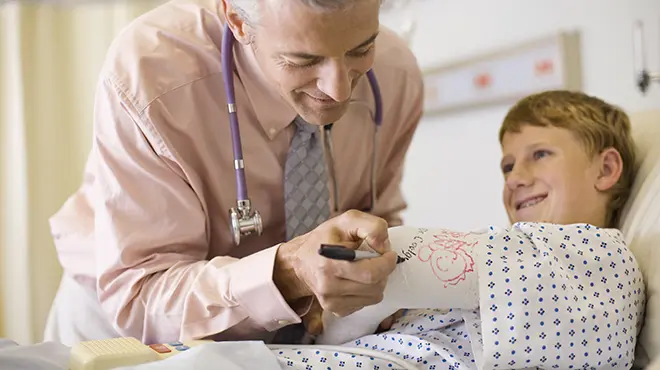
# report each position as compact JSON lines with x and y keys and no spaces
{"x":519,"y":176}
{"x":335,"y":81}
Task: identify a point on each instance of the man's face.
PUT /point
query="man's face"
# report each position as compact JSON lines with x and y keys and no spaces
{"x":314,"y":59}
{"x":549,"y":177}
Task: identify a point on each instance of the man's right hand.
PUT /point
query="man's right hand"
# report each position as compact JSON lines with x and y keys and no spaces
{"x":340,"y":287}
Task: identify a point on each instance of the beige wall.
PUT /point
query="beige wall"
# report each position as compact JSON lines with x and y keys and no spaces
{"x":3,"y":124}
{"x":449,"y":31}
{"x":49,"y":60}
{"x":14,"y":286}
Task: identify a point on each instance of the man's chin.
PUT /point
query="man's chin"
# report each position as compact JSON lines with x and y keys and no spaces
{"x":323,"y":116}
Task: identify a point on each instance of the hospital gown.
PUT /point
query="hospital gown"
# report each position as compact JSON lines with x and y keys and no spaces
{"x":550,"y":297}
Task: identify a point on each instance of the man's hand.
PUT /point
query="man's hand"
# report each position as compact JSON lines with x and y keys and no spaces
{"x":340,"y":287}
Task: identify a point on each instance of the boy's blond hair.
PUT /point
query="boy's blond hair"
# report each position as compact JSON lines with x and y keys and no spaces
{"x":596,"y":123}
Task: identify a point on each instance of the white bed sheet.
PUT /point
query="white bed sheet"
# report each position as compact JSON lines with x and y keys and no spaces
{"x":244,"y":355}
{"x":44,"y":356}
{"x":223,"y":355}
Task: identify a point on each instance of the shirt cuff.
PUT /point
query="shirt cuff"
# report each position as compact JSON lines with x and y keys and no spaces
{"x":253,"y":288}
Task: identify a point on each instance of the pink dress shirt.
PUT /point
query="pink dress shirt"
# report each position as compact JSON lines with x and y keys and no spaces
{"x":148,"y":230}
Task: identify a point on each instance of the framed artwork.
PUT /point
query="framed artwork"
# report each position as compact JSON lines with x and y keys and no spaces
{"x":504,"y":76}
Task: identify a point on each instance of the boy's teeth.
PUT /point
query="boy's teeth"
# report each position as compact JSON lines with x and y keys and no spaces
{"x":531,"y":202}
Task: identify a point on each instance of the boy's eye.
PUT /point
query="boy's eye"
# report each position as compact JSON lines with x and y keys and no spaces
{"x":540,"y":154}
{"x":507,"y":168}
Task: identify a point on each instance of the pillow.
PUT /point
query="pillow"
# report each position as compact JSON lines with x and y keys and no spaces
{"x":640,"y":224}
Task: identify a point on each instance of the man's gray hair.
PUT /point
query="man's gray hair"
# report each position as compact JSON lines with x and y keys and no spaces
{"x":248,"y":9}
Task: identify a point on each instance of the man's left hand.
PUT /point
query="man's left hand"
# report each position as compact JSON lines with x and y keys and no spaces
{"x":313,"y":320}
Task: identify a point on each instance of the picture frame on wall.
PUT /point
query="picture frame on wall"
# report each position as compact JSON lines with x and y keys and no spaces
{"x":505,"y":76}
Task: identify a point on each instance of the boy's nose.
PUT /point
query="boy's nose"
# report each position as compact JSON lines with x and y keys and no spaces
{"x":518,"y":177}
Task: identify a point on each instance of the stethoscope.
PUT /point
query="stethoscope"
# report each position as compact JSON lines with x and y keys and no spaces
{"x":244,"y":219}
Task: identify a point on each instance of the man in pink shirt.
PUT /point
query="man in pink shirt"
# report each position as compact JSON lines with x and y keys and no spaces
{"x":145,"y":242}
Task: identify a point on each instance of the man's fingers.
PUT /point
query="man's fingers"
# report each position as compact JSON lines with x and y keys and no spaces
{"x":360,"y":226}
{"x":369,"y":271}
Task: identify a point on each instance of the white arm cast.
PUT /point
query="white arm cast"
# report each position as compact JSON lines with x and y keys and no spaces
{"x":440,"y":272}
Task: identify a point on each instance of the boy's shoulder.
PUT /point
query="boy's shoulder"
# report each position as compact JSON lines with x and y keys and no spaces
{"x":543,"y":230}
{"x":542,"y":227}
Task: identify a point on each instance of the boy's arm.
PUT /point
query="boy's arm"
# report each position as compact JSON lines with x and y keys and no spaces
{"x":555,"y":296}
{"x":439,"y":271}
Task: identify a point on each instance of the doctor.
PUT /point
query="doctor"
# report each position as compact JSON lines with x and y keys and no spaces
{"x":148,"y":243}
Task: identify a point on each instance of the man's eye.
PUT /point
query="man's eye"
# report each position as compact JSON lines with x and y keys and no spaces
{"x":361,"y":52}
{"x":507,"y":168}
{"x":301,"y":63}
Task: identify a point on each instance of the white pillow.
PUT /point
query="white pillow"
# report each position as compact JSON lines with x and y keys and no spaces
{"x":640,"y":224}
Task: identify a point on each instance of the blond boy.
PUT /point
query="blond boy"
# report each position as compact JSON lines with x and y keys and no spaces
{"x":557,"y":289}
{"x":590,"y":168}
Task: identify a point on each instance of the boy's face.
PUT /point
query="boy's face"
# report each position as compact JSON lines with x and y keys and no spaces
{"x":549,"y":177}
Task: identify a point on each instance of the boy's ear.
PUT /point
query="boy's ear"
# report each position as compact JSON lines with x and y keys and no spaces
{"x":611,"y":167}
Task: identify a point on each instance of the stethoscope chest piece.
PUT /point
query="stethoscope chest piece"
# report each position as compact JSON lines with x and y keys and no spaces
{"x":243,"y":220}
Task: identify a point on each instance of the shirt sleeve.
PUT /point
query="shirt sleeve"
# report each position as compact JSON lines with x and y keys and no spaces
{"x":410,"y":109}
{"x":154,"y":281}
{"x":555,"y":296}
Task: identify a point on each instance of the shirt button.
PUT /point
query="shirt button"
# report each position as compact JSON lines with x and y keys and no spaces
{"x":272,"y":131}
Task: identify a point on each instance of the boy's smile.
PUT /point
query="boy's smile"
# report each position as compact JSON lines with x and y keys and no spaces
{"x":549,"y":177}
{"x":530,"y":201}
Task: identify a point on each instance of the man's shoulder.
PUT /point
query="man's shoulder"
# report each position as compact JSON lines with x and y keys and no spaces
{"x":393,"y":56}
{"x":165,"y":48}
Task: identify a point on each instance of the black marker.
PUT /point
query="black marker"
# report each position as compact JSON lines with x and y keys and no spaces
{"x":339,"y":252}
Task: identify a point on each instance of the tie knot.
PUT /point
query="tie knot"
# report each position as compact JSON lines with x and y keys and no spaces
{"x":304,"y":126}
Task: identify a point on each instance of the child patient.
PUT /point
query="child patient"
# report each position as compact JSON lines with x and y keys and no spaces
{"x":558,"y":289}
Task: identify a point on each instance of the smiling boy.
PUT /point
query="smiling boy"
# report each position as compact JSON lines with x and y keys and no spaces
{"x":558,"y":289}
{"x":567,"y":158}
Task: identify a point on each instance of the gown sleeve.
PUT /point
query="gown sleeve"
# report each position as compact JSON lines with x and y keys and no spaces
{"x":558,"y":297}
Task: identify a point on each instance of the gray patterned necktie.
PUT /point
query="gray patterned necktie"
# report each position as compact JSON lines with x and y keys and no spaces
{"x":306,"y":201}
{"x":306,"y":195}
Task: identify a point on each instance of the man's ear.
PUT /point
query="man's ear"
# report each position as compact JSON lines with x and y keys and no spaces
{"x":237,"y":25}
{"x":610,"y":169}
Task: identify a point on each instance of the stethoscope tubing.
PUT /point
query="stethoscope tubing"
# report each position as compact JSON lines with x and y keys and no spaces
{"x":228,"y":72}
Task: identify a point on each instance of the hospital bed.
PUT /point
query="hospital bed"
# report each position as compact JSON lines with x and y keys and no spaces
{"x":640,"y":225}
